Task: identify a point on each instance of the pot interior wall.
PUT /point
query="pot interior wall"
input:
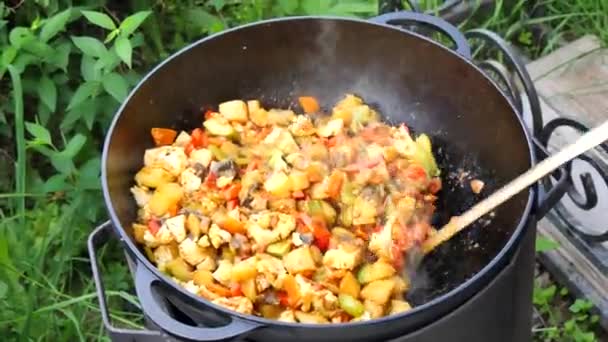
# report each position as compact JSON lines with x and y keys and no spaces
{"x":406,"y":78}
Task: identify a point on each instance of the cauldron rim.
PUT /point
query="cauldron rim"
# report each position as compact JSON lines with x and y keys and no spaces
{"x":493,"y":267}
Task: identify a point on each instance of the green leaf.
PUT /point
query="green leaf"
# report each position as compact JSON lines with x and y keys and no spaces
{"x":124,"y":49}
{"x":83,"y":92}
{"x":100,"y":19}
{"x":115,"y":85}
{"x":61,"y":56}
{"x":44,"y":113}
{"x":544,"y":244}
{"x":40,"y":133}
{"x":111,"y":36}
{"x":62,"y":164}
{"x":90,"y":46}
{"x":88,"y":173}
{"x":219,"y":4}
{"x":353,"y":8}
{"x":88,"y":70}
{"x":132,"y":22}
{"x":580,"y":305}
{"x":288,"y":6}
{"x":204,"y":21}
{"x":19,"y":36}
{"x":55,"y":183}
{"x":47,"y":92}
{"x":3,"y":289}
{"x":74,"y":146}
{"x":315,"y":6}
{"x":54,"y":25}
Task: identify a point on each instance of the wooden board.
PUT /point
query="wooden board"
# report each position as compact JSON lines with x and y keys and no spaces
{"x":573,"y":82}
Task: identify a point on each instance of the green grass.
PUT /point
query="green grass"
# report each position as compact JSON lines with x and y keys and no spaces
{"x":51,"y":131}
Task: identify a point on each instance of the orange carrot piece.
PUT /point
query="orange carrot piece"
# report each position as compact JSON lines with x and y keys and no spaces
{"x":335,"y":184}
{"x":219,"y":290}
{"x":163,"y":136}
{"x":309,"y":104}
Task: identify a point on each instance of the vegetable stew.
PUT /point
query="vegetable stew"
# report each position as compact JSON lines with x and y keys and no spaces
{"x":296,"y":217}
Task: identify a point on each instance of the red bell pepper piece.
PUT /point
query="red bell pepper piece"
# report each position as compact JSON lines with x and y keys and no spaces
{"x":154,"y":226}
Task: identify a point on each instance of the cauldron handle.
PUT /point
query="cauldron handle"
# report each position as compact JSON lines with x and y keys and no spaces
{"x":97,"y":238}
{"x":144,"y":283}
{"x":403,"y":18}
{"x":144,"y":286}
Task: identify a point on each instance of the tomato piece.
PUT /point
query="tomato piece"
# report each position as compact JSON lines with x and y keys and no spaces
{"x":335,"y":184}
{"x":309,"y":104}
{"x":232,"y":226}
{"x":283,"y":298}
{"x":235,"y":290}
{"x":397,"y":257}
{"x":211,"y":180}
{"x":209,"y":114}
{"x":321,"y":234}
{"x":416,"y":173}
{"x":233,"y":203}
{"x":298,"y":194}
{"x":189,"y":149}
{"x":163,"y":136}
{"x":199,"y":138}
{"x":435,"y":185}
{"x":154,"y":226}
{"x":232,"y":191}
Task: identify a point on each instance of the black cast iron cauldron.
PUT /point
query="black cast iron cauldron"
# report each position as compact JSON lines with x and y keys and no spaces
{"x":409,"y":78}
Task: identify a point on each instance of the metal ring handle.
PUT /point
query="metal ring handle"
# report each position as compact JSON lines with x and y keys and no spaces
{"x":97,"y":238}
{"x":438,"y":24}
{"x":144,"y":283}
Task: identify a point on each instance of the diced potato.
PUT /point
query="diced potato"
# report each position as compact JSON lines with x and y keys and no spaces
{"x":302,"y":126}
{"x":191,"y":252}
{"x":311,"y":318}
{"x":376,"y":271}
{"x":170,"y":158}
{"x":333,"y":127}
{"x":282,"y":139}
{"x":202,"y":156}
{"x":142,"y":196}
{"x":177,"y":227}
{"x":299,"y":180}
{"x":183,"y":139}
{"x":375,"y":310}
{"x":180,"y":269}
{"x":287,"y":316}
{"x":317,"y":256}
{"x":398,"y":306}
{"x":280,"y":117}
{"x":278,"y":184}
{"x":189,"y":181}
{"x":319,"y":191}
{"x":401,"y":286}
{"x":253,"y":106}
{"x":202,"y":277}
{"x":138,"y":232}
{"x":218,"y":236}
{"x":235,"y":110}
{"x":364,"y":211}
{"x":259,"y":117}
{"x":378,"y":291}
{"x":223,"y":273}
{"x":345,"y":257}
{"x":299,"y":260}
{"x":165,"y":253}
{"x":270,"y":311}
{"x":349,"y":285}
{"x":193,"y":224}
{"x":165,"y":196}
{"x":244,"y":270}
{"x":238,"y":304}
{"x":153,"y":177}
{"x":249,"y":289}
{"x":219,"y":126}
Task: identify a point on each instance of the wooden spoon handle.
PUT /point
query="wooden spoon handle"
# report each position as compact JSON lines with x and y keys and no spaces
{"x":586,"y":142}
